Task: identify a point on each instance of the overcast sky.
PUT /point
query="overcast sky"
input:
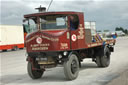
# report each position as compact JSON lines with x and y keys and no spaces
{"x":108,"y":14}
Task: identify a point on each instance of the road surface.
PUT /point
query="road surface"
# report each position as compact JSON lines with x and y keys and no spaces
{"x":13,"y":69}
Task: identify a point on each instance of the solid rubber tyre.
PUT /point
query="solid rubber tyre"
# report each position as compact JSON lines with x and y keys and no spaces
{"x":103,"y":60}
{"x":71,"y":67}
{"x":98,"y":61}
{"x":34,"y":74}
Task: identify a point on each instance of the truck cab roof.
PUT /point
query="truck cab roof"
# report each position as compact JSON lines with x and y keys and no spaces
{"x":52,"y":13}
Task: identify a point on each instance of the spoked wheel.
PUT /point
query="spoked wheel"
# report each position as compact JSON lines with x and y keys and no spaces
{"x":34,"y":74}
{"x":71,"y":67}
{"x":103,"y":60}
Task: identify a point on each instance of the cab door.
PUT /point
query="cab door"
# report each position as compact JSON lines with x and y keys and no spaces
{"x":73,"y":28}
{"x":77,"y":35}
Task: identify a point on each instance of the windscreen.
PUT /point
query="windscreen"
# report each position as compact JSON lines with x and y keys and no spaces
{"x":53,"y":22}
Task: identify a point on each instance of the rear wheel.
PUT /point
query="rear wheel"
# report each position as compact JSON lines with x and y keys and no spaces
{"x":71,"y":67}
{"x":103,"y":60}
{"x":98,"y":61}
{"x":34,"y":74}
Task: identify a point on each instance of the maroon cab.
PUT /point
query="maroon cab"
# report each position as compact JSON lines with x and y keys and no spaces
{"x":61,"y":38}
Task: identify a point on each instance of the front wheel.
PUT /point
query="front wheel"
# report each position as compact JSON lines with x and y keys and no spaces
{"x":71,"y":67}
{"x":34,"y":74}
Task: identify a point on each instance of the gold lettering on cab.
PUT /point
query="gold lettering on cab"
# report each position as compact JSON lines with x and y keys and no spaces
{"x":45,"y":37}
{"x":63,"y":45}
{"x":31,"y":38}
{"x":45,"y":44}
{"x":95,"y":44}
{"x":81,"y":32}
{"x":34,"y":45}
{"x":51,"y":39}
{"x":40,"y":46}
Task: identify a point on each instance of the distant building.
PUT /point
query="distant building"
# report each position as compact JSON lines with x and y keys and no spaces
{"x":120,"y":33}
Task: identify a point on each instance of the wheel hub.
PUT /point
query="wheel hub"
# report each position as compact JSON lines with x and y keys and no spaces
{"x":74,"y":66}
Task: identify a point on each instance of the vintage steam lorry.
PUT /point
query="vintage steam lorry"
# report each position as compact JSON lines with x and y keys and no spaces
{"x":61,"y":38}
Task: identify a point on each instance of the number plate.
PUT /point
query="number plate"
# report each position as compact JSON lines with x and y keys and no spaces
{"x":42,"y":59}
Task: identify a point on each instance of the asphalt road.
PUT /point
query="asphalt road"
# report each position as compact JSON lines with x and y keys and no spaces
{"x":13,"y":69}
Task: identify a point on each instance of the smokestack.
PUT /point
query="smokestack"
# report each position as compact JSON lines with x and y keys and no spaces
{"x":41,"y":9}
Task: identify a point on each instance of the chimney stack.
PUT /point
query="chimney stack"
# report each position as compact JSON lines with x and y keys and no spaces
{"x":41,"y":9}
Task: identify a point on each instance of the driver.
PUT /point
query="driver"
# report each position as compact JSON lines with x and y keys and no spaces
{"x":72,"y":26}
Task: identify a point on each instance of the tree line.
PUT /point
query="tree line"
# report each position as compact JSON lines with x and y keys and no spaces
{"x":121,"y":29}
